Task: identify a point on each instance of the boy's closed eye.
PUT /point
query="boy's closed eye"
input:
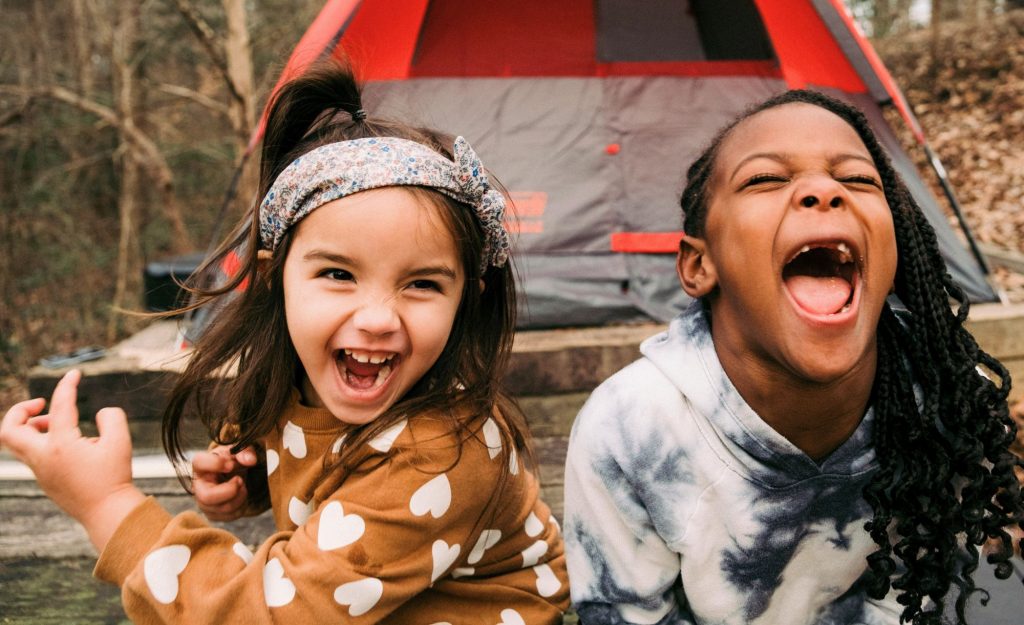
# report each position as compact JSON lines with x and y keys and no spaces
{"x":763,"y":179}
{"x":861,"y":179}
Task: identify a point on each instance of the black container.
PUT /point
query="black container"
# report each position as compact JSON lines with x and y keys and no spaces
{"x":161,"y":278}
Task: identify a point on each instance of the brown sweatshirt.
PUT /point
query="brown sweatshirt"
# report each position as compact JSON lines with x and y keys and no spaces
{"x":419,"y":534}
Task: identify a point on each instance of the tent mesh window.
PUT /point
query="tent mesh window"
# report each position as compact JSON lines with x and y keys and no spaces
{"x":700,"y":30}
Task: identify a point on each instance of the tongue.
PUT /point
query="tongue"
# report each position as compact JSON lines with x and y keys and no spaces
{"x":820,"y":295}
{"x":361,"y":374}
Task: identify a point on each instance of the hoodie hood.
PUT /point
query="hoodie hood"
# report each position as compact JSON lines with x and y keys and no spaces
{"x":685,"y":355}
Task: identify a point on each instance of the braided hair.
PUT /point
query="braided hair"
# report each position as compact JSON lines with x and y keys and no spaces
{"x":946,"y":481}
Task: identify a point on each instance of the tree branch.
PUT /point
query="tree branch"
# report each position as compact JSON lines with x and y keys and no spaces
{"x":146,"y":151}
{"x":150,"y":151}
{"x":208,"y":39}
{"x":200,"y":99}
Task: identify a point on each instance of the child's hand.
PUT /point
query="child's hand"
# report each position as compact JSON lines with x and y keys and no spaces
{"x":89,"y":478}
{"x":218,"y":481}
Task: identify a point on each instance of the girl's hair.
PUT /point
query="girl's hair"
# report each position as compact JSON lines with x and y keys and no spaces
{"x":248,"y":332}
{"x":945,"y":471}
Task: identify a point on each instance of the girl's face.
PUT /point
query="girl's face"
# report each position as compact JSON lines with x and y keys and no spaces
{"x":799,"y":250}
{"x":372,"y":283}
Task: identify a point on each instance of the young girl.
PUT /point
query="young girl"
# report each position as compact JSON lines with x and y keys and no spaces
{"x":368,"y":346}
{"x":796,"y":448}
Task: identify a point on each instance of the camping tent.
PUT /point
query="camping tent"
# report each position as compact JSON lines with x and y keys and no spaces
{"x":590,"y":111}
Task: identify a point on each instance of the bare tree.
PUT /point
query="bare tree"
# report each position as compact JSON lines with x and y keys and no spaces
{"x":232,"y":56}
{"x":122,"y":58}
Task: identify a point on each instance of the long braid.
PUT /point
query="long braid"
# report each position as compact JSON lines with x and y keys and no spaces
{"x":942,"y":430}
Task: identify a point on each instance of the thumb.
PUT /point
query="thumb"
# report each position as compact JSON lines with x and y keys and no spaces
{"x":246,"y":457}
{"x":112,"y":424}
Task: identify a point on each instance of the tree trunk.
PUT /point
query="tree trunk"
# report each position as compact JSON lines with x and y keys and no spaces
{"x":238,"y":53}
{"x":121,"y":58}
{"x":82,"y":24}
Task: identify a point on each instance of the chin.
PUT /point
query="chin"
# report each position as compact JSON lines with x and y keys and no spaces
{"x":821,"y":366}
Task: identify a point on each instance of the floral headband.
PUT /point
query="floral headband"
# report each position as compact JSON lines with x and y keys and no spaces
{"x":336,"y":170}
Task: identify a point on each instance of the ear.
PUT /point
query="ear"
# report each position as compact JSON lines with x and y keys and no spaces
{"x":263,"y":258}
{"x":695,"y":268}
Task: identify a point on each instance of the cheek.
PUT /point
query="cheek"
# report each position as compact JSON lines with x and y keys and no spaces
{"x":434,"y":327}
{"x":885,"y":241}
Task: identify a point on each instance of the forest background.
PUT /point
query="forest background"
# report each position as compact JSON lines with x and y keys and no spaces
{"x":122,"y":123}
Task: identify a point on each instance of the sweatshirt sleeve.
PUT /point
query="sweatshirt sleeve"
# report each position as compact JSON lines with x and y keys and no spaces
{"x":380,"y":538}
{"x":620,"y":569}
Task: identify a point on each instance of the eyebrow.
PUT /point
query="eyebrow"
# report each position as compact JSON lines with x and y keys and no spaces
{"x":784,"y":159}
{"x":341,"y":259}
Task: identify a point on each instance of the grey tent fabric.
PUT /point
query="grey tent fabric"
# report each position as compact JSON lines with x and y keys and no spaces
{"x":548,"y":138}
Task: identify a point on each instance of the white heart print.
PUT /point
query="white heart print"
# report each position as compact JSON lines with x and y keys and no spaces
{"x":434,"y":497}
{"x":492,"y":438}
{"x":444,"y":557}
{"x":386,"y":439}
{"x":533,"y":553}
{"x":533,"y":526}
{"x":462,"y":571}
{"x":278,"y":590}
{"x":513,"y":463}
{"x":360,"y":596}
{"x":299,"y":511}
{"x":294,"y":440}
{"x":272,"y":461}
{"x":511,"y":617}
{"x":547,"y":583}
{"x":336,"y":447}
{"x":338,"y":529}
{"x":488,"y":538}
{"x":242,"y":552}
{"x":161,"y":569}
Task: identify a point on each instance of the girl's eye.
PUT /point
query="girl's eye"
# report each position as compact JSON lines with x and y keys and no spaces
{"x":336,"y":274}
{"x":861,"y":179}
{"x":425,"y":285}
{"x":763,"y":179}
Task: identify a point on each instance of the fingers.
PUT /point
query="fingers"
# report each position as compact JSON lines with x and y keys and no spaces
{"x":221,"y":502}
{"x":112,"y":424}
{"x":247,"y":457}
{"x":211,"y":494}
{"x":212,"y":462}
{"x":12,"y":432}
{"x":40,"y":424}
{"x":64,"y":403}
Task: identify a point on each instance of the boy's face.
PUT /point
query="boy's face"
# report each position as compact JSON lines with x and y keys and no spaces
{"x":799,"y":250}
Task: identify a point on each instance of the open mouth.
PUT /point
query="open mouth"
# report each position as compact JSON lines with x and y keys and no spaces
{"x":365,"y":371}
{"x":822,"y":278}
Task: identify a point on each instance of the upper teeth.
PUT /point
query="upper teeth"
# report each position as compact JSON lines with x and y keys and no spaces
{"x":842,"y":248}
{"x":368,"y":357}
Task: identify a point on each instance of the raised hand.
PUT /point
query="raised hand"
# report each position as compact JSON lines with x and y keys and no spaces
{"x":218,"y":481}
{"x":89,"y":478}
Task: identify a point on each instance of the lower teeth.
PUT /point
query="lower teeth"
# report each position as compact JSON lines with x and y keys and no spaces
{"x":382,"y":375}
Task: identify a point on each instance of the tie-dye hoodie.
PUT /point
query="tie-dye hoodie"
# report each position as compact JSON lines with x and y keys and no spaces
{"x":683,"y":506}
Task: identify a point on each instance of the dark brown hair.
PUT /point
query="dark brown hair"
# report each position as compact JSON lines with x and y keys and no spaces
{"x":248,"y":331}
{"x":945,"y":469}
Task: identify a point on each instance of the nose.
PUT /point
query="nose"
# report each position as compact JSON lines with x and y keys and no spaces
{"x":377,"y":318}
{"x":822,"y":192}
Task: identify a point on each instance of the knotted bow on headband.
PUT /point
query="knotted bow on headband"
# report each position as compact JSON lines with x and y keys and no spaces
{"x":336,"y":170}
